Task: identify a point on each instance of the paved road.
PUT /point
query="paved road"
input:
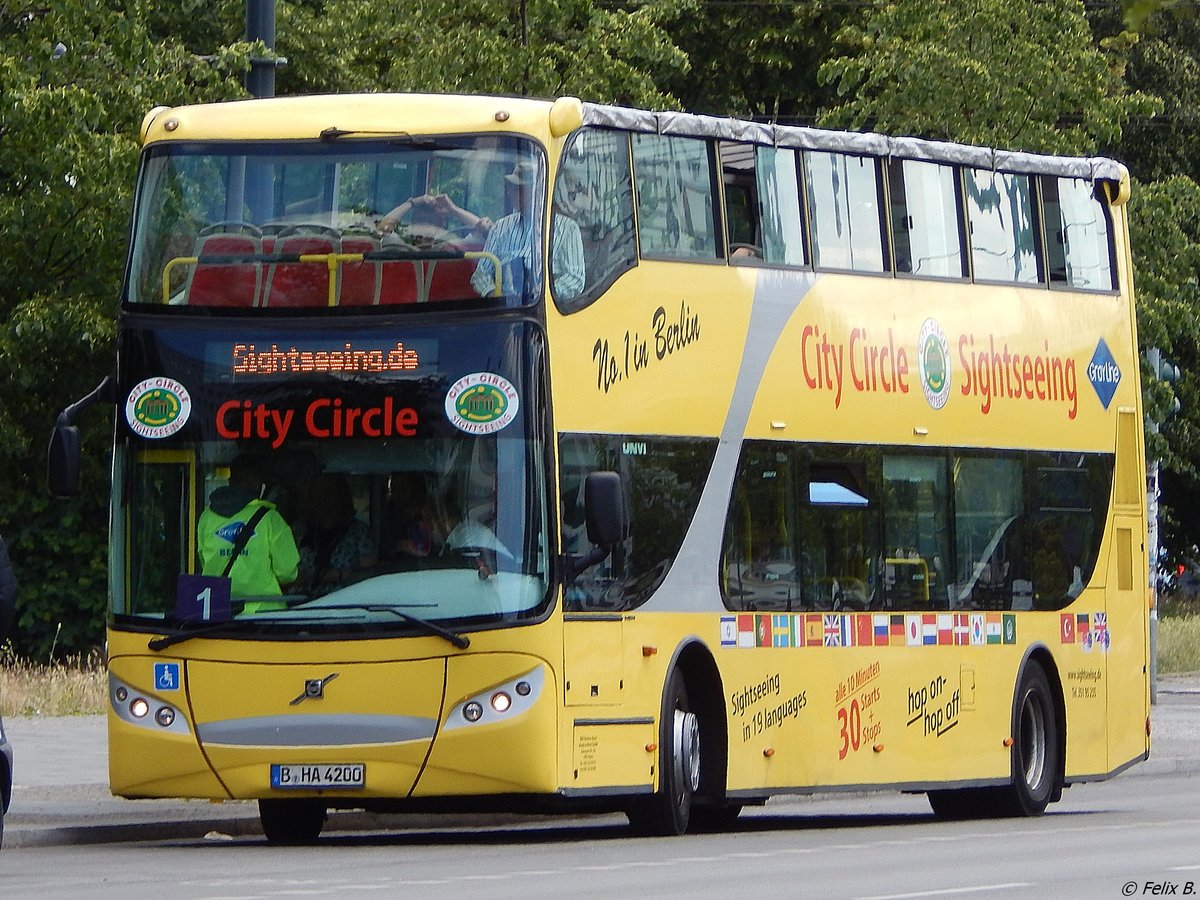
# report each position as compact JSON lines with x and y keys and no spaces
{"x":60,"y":793}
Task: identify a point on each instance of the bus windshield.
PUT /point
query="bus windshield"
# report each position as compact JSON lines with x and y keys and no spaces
{"x":398,"y":471}
{"x":344,"y":222}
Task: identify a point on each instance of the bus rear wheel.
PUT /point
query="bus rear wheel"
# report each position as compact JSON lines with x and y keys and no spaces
{"x":1035,"y":749}
{"x":1035,"y":754}
{"x":960,"y":803}
{"x":669,"y":810}
{"x":291,"y":822}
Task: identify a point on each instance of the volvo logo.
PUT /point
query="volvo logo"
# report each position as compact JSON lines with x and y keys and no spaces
{"x":314,"y":688}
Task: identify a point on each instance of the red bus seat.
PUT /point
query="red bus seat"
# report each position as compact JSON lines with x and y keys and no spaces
{"x":295,"y":284}
{"x":225,"y":284}
{"x":400,"y":282}
{"x":359,"y":282}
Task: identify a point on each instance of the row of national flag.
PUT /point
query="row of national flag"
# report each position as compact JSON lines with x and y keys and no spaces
{"x":1086,"y":629}
{"x":867,"y":629}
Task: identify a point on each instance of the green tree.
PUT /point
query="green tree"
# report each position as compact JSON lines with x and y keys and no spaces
{"x":1012,"y":74}
{"x":752,"y":60}
{"x":75,"y":80}
{"x":517,"y":47}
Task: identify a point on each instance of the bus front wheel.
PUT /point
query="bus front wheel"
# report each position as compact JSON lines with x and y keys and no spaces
{"x":291,"y":821}
{"x":669,"y":810}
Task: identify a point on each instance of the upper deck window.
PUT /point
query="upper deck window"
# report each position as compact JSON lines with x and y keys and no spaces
{"x":675,"y":191}
{"x":1003,"y":231}
{"x":926,"y":224}
{"x":762,"y":205}
{"x":1077,"y":235}
{"x":844,"y":206}
{"x":594,"y":196}
{"x":285,"y":225}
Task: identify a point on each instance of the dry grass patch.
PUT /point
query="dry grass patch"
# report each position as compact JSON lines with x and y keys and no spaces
{"x":75,"y":687}
{"x":1179,"y":644}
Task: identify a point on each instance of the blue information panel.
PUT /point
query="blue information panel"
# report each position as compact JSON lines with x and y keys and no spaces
{"x":202,"y":597}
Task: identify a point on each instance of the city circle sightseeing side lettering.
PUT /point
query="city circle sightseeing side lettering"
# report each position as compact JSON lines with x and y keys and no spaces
{"x":323,"y":418}
{"x":872,"y":363}
{"x":990,"y":373}
{"x":249,"y":360}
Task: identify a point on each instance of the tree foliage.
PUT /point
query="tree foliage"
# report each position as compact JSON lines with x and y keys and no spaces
{"x":753,"y":62}
{"x":75,"y":80}
{"x":517,"y":47}
{"x":1012,"y":74}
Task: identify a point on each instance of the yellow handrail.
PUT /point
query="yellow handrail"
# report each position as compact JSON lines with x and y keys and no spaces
{"x":332,"y":261}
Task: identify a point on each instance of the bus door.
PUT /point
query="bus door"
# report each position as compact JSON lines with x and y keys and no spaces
{"x":1123,"y":640}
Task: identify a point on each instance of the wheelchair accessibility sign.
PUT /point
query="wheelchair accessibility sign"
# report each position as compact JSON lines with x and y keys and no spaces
{"x":166,"y":676}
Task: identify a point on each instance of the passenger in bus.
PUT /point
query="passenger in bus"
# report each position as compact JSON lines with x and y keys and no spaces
{"x":336,"y":547}
{"x":510,"y":240}
{"x":268,"y":561}
{"x":434,"y":218}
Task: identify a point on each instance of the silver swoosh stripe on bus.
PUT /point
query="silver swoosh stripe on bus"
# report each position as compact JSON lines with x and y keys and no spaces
{"x":324,"y":730}
{"x":691,"y":585}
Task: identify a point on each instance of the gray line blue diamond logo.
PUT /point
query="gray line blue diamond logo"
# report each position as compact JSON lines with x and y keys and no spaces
{"x":1104,"y":373}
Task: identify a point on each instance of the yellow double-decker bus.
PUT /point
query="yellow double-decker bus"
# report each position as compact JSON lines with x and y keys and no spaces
{"x":621,"y":460}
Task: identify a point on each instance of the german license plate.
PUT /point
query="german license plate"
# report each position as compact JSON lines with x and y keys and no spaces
{"x":318,"y":775}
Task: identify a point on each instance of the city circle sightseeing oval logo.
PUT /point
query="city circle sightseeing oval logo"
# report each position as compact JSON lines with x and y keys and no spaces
{"x":158,"y":407}
{"x":933,"y":355}
{"x":481,"y":403}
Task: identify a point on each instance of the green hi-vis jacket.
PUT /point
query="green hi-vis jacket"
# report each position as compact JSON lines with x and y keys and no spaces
{"x":268,"y":562}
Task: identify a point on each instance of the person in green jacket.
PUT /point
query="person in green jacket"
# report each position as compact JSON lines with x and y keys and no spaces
{"x":268,"y":562}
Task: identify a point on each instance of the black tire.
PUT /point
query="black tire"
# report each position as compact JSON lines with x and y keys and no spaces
{"x":714,"y":819}
{"x":960,"y":803}
{"x":1036,"y":748}
{"x":669,"y":810}
{"x":291,"y":822}
{"x":1035,"y":756}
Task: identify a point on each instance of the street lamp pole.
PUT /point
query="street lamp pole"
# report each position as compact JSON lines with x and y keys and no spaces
{"x":260,"y":26}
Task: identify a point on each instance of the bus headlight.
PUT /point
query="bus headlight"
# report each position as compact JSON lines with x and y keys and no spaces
{"x":134,"y":706}
{"x":502,"y":702}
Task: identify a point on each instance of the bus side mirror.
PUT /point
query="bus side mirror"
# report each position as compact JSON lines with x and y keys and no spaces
{"x":63,"y":457}
{"x":607,"y":520}
{"x":604,"y":506}
{"x":62,"y":461}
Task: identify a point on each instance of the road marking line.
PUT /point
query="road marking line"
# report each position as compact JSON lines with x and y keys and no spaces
{"x":946,"y":892}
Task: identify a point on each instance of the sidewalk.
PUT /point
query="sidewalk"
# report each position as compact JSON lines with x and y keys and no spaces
{"x":61,"y":797}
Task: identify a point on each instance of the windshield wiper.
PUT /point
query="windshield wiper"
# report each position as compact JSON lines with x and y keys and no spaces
{"x":461,"y":641}
{"x":178,"y":637}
